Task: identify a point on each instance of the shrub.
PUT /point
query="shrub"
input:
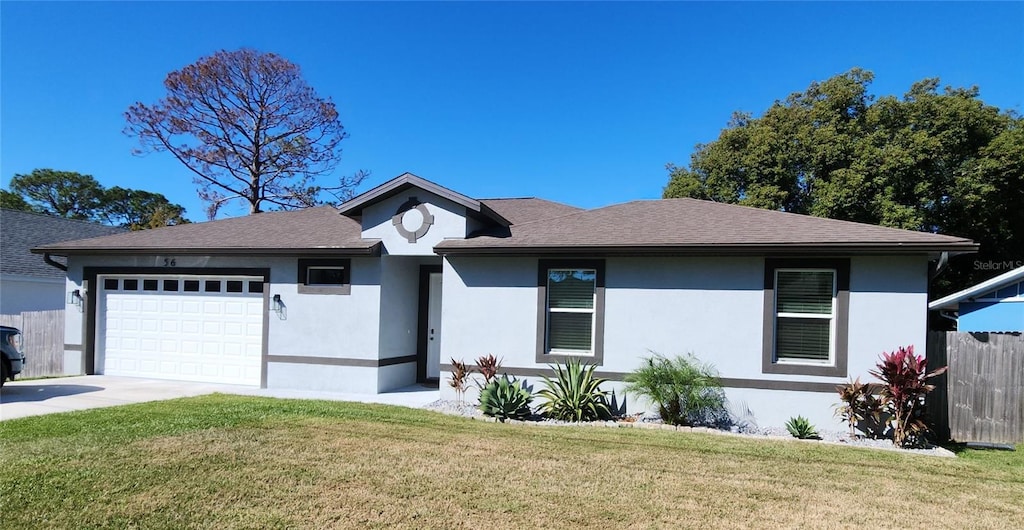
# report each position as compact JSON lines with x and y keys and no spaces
{"x":861,"y":409}
{"x":686,"y":391}
{"x":488,"y":366}
{"x":460,"y":375}
{"x":800,"y":427}
{"x":504,"y":398}
{"x":575,"y":394}
{"x":904,"y":377}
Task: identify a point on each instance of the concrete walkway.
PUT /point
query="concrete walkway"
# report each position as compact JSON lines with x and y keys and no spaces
{"x":46,"y":396}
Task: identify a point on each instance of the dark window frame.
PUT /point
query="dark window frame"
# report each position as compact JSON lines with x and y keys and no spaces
{"x":769,"y":364}
{"x":303,"y":276}
{"x":545,"y":265}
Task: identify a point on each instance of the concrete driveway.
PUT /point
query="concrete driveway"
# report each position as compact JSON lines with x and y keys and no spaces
{"x":46,"y":396}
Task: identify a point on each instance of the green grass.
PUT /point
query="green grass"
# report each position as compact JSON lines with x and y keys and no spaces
{"x":241,"y":462}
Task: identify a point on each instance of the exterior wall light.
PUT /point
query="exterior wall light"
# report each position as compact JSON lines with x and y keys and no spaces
{"x":75,"y":297}
{"x":278,"y":306}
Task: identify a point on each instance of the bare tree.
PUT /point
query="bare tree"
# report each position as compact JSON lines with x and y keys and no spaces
{"x":249,"y":128}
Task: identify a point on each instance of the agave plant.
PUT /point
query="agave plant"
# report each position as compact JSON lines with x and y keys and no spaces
{"x":800,"y":427}
{"x":904,"y":377}
{"x":504,"y":398}
{"x":575,"y":394}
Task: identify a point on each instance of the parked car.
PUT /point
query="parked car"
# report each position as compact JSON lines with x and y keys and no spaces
{"x":11,"y":359}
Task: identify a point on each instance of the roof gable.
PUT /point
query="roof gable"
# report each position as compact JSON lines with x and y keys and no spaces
{"x":355,"y":206}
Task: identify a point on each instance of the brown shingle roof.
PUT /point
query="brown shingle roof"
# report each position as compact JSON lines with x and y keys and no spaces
{"x":675,"y":225}
{"x":519,"y":211}
{"x":312,"y":230}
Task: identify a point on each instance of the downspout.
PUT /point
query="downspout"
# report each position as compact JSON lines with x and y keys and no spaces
{"x":940,"y":266}
{"x":946,"y":314}
{"x":49,"y":261}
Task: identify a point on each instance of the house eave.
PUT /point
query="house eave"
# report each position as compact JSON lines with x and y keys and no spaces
{"x":373,"y":250}
{"x":822,"y":249}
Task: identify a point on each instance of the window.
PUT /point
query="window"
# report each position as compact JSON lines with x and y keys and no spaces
{"x":806,"y":306}
{"x":324,"y":276}
{"x":150,"y":285}
{"x":570,"y":319}
{"x":110,"y":284}
{"x":170,"y":286}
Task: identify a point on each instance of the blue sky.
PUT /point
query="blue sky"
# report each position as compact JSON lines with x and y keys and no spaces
{"x":582,"y":103}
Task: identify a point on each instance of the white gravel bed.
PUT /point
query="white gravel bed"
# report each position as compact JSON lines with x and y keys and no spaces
{"x":652,"y":421}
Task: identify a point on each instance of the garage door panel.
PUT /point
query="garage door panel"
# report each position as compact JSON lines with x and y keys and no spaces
{"x":199,"y":335}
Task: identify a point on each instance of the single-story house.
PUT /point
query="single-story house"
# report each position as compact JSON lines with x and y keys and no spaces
{"x":383,"y":291}
{"x":995,"y":305}
{"x":27,"y":283}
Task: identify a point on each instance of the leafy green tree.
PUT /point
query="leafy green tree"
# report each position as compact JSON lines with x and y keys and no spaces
{"x":75,"y":196}
{"x":59,"y":193}
{"x":249,"y":128}
{"x":138,"y":209}
{"x":13,"y":201}
{"x":933,"y":161}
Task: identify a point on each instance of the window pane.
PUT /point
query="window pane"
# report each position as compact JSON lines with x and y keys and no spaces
{"x":212,"y":286}
{"x":150,"y":285}
{"x":325,"y":276}
{"x":255,"y":287}
{"x":110,"y":283}
{"x":804,"y":292}
{"x":191,"y":285}
{"x":571,"y":289}
{"x":802,"y":338}
{"x":570,"y":331}
{"x":131,"y":285}
{"x":170,"y":285}
{"x":234,"y":286}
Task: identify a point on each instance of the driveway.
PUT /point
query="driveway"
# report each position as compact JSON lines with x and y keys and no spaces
{"x":46,"y":396}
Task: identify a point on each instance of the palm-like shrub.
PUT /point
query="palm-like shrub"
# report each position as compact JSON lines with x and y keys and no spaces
{"x":460,"y":375}
{"x":504,"y":398}
{"x":800,"y":427}
{"x":904,"y":388}
{"x":575,"y":394}
{"x":686,"y":390}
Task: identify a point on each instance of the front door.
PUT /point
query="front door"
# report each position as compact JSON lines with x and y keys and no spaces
{"x":434,"y":327}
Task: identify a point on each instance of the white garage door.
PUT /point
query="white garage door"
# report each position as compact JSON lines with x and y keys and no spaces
{"x":188,"y":328}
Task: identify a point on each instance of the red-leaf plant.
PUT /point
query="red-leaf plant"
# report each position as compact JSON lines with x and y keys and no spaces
{"x":488,"y":366}
{"x":904,"y":377}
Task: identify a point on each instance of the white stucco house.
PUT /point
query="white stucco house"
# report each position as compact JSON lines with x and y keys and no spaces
{"x":383,"y":291}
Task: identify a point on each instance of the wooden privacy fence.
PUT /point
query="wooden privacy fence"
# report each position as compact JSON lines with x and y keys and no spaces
{"x":42,"y":341}
{"x":983,"y":392}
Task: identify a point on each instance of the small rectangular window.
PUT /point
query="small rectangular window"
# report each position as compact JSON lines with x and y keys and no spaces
{"x":234,"y":286}
{"x":110,"y":284}
{"x":212,"y":286}
{"x":171,"y":286}
{"x":191,"y":286}
{"x":324,"y":276}
{"x":804,"y":315}
{"x":570,"y":310}
{"x":131,"y":285}
{"x":255,"y":287}
{"x":150,"y":285}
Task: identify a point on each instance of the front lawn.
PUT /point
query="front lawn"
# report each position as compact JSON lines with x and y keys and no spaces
{"x":229,"y":462}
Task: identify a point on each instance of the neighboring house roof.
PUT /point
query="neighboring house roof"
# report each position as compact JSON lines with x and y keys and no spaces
{"x":670,"y":226}
{"x":992,"y":284}
{"x":311,"y":231}
{"x":21,"y":231}
{"x":354,"y":207}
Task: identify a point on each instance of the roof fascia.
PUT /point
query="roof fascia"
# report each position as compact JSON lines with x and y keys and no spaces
{"x":372,"y":250}
{"x":708,"y":250}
